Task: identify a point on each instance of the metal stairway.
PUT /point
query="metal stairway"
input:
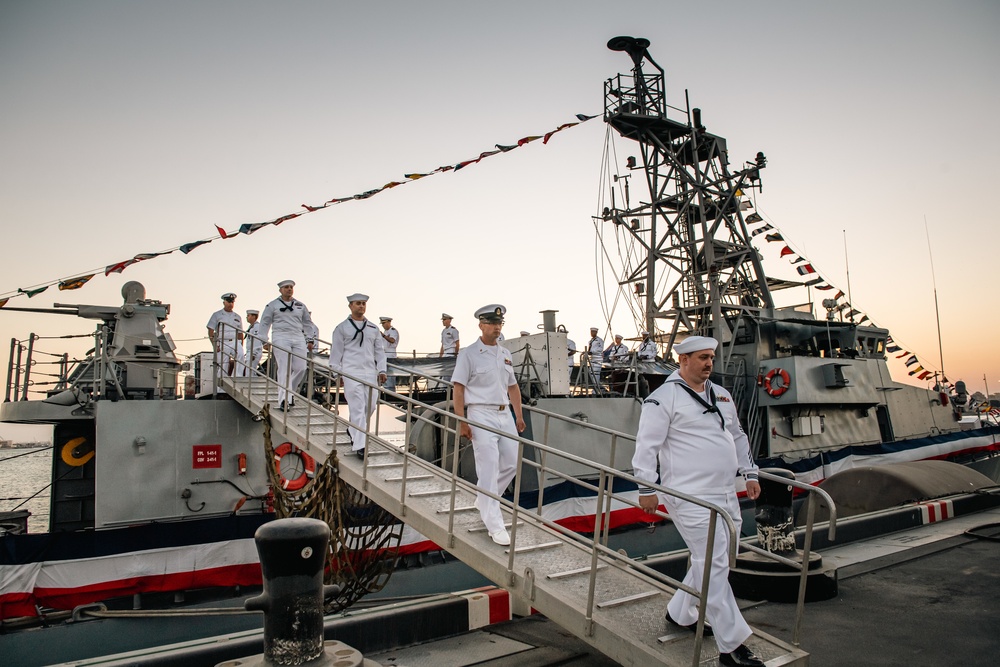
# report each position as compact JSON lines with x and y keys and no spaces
{"x":561,"y":576}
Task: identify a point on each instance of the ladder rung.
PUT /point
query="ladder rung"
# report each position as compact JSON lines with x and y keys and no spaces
{"x":467,"y":508}
{"x":626,"y":600}
{"x":410,"y":478}
{"x":396,"y":464}
{"x":420,"y":494}
{"x":482,"y":529}
{"x":573,"y":573}
{"x":535,"y":547}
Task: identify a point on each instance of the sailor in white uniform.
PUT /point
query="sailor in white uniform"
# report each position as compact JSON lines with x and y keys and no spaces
{"x":449,"y":337}
{"x":595,"y":348}
{"x":227,"y":343}
{"x":290,"y":343}
{"x":618,"y":353}
{"x":254,"y":347}
{"x":390,"y":340}
{"x":357,"y":353}
{"x":689,"y":430}
{"x":647,"y":349}
{"x":485,"y":385}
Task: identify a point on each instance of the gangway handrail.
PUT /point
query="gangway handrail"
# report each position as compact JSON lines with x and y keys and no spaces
{"x":803,"y":566}
{"x":604,"y":499}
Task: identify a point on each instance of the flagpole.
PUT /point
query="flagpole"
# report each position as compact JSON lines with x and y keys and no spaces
{"x":937,"y":312}
{"x":847,"y":263}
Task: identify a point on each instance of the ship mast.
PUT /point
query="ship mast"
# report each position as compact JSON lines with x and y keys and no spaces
{"x":691,"y":228}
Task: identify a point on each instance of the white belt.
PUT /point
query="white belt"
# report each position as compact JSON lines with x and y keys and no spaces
{"x":485,"y":406}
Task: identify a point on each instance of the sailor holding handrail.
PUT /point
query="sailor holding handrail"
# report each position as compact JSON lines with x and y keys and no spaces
{"x":356,"y":348}
{"x":485,"y":385}
{"x":690,"y":440}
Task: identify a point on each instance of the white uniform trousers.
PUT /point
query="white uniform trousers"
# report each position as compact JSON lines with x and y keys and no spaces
{"x":496,"y":460}
{"x":296,"y":361}
{"x":358,"y":396}
{"x":226,"y":351}
{"x":722,"y":612}
{"x":251,"y":359}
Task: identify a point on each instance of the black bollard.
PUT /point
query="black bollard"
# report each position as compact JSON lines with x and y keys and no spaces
{"x":757,"y":577}
{"x":774,"y":514}
{"x":292,"y":557}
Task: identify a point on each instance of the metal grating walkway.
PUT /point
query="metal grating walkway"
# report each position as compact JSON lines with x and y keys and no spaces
{"x":549,"y":571}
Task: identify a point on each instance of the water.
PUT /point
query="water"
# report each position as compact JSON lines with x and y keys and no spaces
{"x":24,"y":472}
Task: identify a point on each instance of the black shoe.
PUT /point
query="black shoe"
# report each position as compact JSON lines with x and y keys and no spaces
{"x":741,"y":657}
{"x":693,"y":627}
{"x":281,"y":407}
{"x":360,"y":453}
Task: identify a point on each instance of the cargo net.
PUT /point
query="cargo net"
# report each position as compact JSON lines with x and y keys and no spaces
{"x":364,"y":544}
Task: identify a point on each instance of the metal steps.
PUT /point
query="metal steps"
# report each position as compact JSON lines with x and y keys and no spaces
{"x":552,"y":573}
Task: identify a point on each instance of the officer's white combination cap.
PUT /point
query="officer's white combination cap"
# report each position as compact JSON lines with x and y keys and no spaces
{"x":696,"y":344}
{"x":491,"y":313}
{"x":228,"y":296}
{"x":446,"y":316}
{"x":357,"y":296}
{"x":286,"y":283}
{"x":384,"y":318}
{"x":253,"y":312}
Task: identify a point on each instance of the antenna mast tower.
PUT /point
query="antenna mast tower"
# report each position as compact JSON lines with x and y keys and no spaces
{"x":691,"y":227}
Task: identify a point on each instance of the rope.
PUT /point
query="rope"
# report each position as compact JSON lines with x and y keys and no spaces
{"x":365,"y":538}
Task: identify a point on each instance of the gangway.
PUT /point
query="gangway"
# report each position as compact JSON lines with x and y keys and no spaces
{"x":614,"y":603}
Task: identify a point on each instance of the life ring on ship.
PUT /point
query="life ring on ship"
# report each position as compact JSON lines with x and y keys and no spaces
{"x":308,"y":466}
{"x":77,"y":452}
{"x":774,"y":391}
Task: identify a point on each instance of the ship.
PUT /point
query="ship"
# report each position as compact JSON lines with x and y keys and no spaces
{"x":159,"y":481}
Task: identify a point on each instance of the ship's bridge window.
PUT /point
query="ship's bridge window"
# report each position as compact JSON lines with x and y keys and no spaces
{"x":871,"y":347}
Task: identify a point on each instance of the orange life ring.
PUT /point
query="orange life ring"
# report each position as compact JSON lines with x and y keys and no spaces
{"x":308,"y":466}
{"x":776,"y":391}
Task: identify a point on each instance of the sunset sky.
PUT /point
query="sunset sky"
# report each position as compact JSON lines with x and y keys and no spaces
{"x":136,"y":127}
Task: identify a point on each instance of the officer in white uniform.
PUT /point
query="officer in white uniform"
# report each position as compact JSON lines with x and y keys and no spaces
{"x":647,"y":349}
{"x":449,"y":337}
{"x":390,"y":340}
{"x":619,"y":351}
{"x":595,"y":348}
{"x":485,"y":384}
{"x":227,"y":343}
{"x":254,"y":347}
{"x":689,"y":430}
{"x":290,"y":343}
{"x":357,"y":353}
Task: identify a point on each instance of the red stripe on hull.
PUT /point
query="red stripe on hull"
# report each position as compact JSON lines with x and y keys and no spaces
{"x":23,"y":604}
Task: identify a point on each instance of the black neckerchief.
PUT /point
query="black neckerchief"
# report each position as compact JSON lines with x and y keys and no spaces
{"x":287,"y":306}
{"x":709,"y":407}
{"x":358,"y":331}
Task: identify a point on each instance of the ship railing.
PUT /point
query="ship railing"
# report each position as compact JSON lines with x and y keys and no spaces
{"x":816,"y":495}
{"x":27,"y":363}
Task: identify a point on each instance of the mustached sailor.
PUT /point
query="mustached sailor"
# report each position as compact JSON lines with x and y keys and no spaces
{"x":690,"y":440}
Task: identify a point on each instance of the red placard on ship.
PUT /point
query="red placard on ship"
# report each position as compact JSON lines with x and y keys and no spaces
{"x":206,"y":456}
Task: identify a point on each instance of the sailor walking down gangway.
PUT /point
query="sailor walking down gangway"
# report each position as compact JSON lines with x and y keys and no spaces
{"x":611,"y":601}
